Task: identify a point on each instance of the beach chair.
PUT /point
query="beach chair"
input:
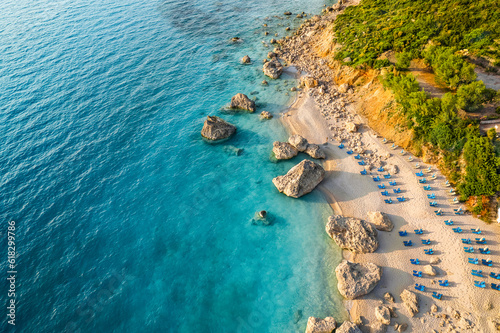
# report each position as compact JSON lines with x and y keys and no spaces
{"x":454,"y":201}
{"x":428,"y":170}
{"x":381,"y":169}
{"x":433,"y":176}
{"x":459,"y":212}
{"x":418,"y":231}
{"x":451,"y":192}
{"x":495,"y":286}
{"x":402,"y":152}
{"x":388,"y":201}
{"x":358,"y":157}
{"x":376,"y":179}
{"x":476,"y":272}
{"x":403,"y":233}
{"x":417,"y":166}
{"x":419,"y":287}
{"x":385,"y":140}
{"x":466,"y":241}
{"x":408,"y":243}
{"x":363,"y":172}
{"x":429,"y":251}
{"x":362,"y":163}
{"x":473,"y":261}
{"x":495,"y":276}
{"x":414,"y":261}
{"x":449,"y":222}
{"x":419,"y":174}
{"x":433,"y":203}
{"x":469,"y":249}
{"x":387,"y":176}
{"x":431,"y":196}
{"x":426,"y":241}
{"x":476,"y":231}
{"x":385,"y":193}
{"x":457,"y":230}
{"x":349,"y":152}
{"x":341,"y":146}
{"x":394,"y":146}
{"x":396,"y":190}
{"x":436,"y":295}
{"x":439,"y":212}
{"x":422,"y":181}
{"x":481,"y":284}
{"x":410,"y":158}
{"x":381,"y":186}
{"x":488,"y":263}
{"x":481,"y":241}
{"x":427,"y":188}
{"x":417,"y":273}
{"x":484,"y":250}
{"x":447,"y":184}
{"x":401,"y":199}
{"x":443,"y":283}
{"x":392,"y":183}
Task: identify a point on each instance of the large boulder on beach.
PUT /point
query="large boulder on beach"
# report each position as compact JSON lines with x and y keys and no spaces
{"x":380,"y":221}
{"x":383,"y":314}
{"x":314,"y":151}
{"x":393,"y":169}
{"x":284,"y":150}
{"x":429,"y":270}
{"x":352,"y":234}
{"x":298,"y":142}
{"x":216,"y":128}
{"x":241,"y":101}
{"x":273,"y":69}
{"x":410,"y":301}
{"x":318,"y":325}
{"x":301,"y":179}
{"x":351,"y":127}
{"x":348,"y":327}
{"x":355,"y":280}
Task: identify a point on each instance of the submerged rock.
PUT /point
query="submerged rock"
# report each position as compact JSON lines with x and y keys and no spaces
{"x":262,"y":218}
{"x":273,"y":68}
{"x":352,"y":234}
{"x":355,"y":280}
{"x":266,"y":115}
{"x":410,"y":301}
{"x":301,"y":179}
{"x":284,"y":150}
{"x":318,"y":325}
{"x":230,"y":149}
{"x":241,"y":101}
{"x":348,"y":327}
{"x":216,"y":128}
{"x":380,"y":220}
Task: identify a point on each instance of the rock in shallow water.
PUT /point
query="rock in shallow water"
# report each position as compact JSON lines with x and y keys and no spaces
{"x":266,"y":115}
{"x":298,"y":142}
{"x":216,"y":128}
{"x":241,"y":101}
{"x":301,"y":179}
{"x":246,"y":59}
{"x":355,"y":280}
{"x":318,"y":325}
{"x":273,"y":69}
{"x":284,"y":150}
{"x":352,"y":234}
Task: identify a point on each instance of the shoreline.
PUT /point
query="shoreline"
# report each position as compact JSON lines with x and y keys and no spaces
{"x":350,"y":194}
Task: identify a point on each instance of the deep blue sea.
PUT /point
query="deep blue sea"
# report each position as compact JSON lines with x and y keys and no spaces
{"x":126,"y":220}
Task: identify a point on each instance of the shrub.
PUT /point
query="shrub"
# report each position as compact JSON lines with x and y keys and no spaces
{"x":470,"y":97}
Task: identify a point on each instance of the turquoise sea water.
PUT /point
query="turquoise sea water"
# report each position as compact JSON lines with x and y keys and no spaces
{"x":127,"y":221}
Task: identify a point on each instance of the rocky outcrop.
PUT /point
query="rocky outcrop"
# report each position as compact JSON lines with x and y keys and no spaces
{"x":383,"y":314}
{"x":284,"y":150}
{"x":355,"y":280}
{"x":298,"y":142}
{"x":241,"y":101}
{"x":301,"y":179}
{"x":273,"y":69}
{"x":429,"y":270}
{"x":348,"y":327}
{"x":410,"y":301}
{"x":352,"y":234}
{"x":246,"y":59}
{"x":314,"y":151}
{"x":380,"y":221}
{"x":216,"y":128}
{"x":266,"y":115}
{"x":318,"y":325}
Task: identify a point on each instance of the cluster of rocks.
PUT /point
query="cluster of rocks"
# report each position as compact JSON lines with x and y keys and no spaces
{"x":296,"y":144}
{"x":301,"y":179}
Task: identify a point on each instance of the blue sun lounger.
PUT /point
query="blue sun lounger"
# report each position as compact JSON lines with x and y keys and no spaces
{"x":419,"y":287}
{"x":426,"y":241}
{"x":418,"y":231}
{"x":385,"y":193}
{"x":363,"y":172}
{"x":481,"y":284}
{"x":381,"y":169}
{"x":457,"y":230}
{"x":392,"y":183}
{"x":431,"y":196}
{"x":407,"y":243}
{"x":459,"y":212}
{"x":341,"y":146}
{"x":429,"y":251}
{"x":349,"y":152}
{"x":362,"y":163}
{"x":376,"y":179}
{"x":385,"y":140}
{"x":448,"y":222}
{"x":476,"y":231}
{"x":403,"y":233}
{"x":388,"y":201}
{"x":433,"y":204}
{"x":427,"y":188}
{"x":469,"y":249}
{"x":396,"y":190}
{"x":476,"y":272}
{"x":358,"y":157}
{"x":419,"y":174}
{"x":438,"y":212}
{"x":495,"y":286}
{"x":473,"y":261}
{"x":480,"y":241}
{"x":422,"y":181}
{"x":415,"y":261}
{"x":488,"y":263}
{"x":436,"y":295}
{"x":466,"y":240}
{"x":443,"y":283}
{"x":484,"y":251}
{"x":495,"y":276}
{"x":387,"y":176}
{"x":381,"y":186}
{"x":417,"y":273}
{"x":401,"y":199}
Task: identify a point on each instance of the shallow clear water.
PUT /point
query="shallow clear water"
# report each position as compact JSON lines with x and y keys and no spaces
{"x":127,"y":220}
